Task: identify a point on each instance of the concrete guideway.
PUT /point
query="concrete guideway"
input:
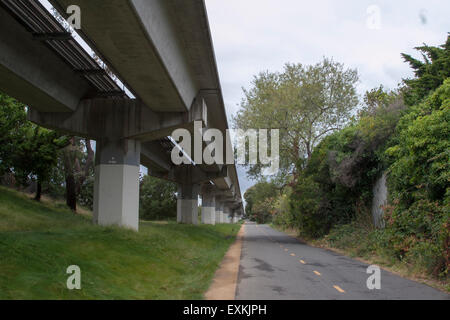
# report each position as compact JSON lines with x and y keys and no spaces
{"x":162,"y":51}
{"x":275,"y":266}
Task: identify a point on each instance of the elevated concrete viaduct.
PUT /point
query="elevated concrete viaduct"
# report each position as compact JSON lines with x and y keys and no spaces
{"x":161,"y":50}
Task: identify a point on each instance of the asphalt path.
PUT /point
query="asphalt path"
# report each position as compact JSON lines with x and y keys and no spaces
{"x":276,"y":266}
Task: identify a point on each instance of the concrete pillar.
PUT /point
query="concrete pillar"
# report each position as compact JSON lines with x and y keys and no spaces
{"x":219,"y":211}
{"x":208,"y":205}
{"x":187,"y":203}
{"x":236,"y":216}
{"x":116,"y":185}
{"x":226,"y":214}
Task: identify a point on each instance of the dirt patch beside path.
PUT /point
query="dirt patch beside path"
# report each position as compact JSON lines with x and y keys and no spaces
{"x":224,"y":284}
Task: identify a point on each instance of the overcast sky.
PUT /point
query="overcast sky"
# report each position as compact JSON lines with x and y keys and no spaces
{"x":251,"y":36}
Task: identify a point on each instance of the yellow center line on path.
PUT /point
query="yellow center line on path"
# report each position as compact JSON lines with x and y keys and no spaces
{"x":302,"y":262}
{"x":317,"y":272}
{"x":286,"y":250}
{"x":293,"y":254}
{"x":339,"y":289}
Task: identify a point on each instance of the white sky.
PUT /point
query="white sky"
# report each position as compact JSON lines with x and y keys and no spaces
{"x":255,"y":35}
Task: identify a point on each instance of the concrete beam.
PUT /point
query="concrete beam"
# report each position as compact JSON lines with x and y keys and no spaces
{"x":179,"y":173}
{"x":141,"y":40}
{"x":155,"y":158}
{"x":223,"y":184}
{"x":124,"y":118}
{"x":33,"y":74}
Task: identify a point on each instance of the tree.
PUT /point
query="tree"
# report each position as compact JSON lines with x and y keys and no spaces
{"x":306,"y":103}
{"x":258,"y":194}
{"x":263,"y":211}
{"x":78,"y":167}
{"x":27,"y":150}
{"x":13,"y":124}
{"x":430,"y":74}
{"x":157,"y":199}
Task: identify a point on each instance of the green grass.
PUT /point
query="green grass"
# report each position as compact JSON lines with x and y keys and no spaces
{"x":162,"y":261}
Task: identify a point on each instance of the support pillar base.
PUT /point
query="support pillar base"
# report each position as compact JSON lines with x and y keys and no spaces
{"x":116,"y":195}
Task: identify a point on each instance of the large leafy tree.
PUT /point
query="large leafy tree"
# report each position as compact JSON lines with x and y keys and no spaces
{"x":13,"y":124}
{"x":35,"y":155}
{"x":306,"y":103}
{"x":26,"y":150}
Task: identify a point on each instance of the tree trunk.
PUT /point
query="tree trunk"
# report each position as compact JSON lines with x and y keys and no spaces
{"x":71,"y":194}
{"x":38,"y":191}
{"x":73,"y":168}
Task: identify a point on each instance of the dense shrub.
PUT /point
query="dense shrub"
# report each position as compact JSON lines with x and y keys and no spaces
{"x":157,"y":199}
{"x":336,"y":183}
{"x":257,"y":207}
{"x":421,"y":157}
{"x":419,"y":222}
{"x":282,"y":216}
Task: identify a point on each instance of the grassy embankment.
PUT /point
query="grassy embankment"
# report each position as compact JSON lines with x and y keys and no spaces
{"x":38,"y":241}
{"x":358,"y":240}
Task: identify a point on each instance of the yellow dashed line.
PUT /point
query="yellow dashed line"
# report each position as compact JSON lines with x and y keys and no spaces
{"x":317,"y":272}
{"x":339,"y":289}
{"x":293,"y":254}
{"x":302,"y":262}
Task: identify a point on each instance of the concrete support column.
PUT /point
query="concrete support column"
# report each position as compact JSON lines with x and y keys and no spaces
{"x":226,"y":214}
{"x":187,"y":202}
{"x":116,"y":185}
{"x":219,"y":211}
{"x":208,"y":205}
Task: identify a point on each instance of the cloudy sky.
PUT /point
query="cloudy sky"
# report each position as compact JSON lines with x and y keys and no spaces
{"x":255,"y":35}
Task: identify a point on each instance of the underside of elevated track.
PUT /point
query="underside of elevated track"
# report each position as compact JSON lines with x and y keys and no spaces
{"x":142,"y":69}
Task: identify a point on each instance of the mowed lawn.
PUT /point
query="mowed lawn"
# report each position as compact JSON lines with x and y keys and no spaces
{"x":162,"y":261}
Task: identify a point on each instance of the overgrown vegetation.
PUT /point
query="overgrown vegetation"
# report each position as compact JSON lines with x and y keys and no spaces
{"x":58,"y":165}
{"x":27,"y":151}
{"x":38,"y":241}
{"x":157,"y":199}
{"x":404,"y":133}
